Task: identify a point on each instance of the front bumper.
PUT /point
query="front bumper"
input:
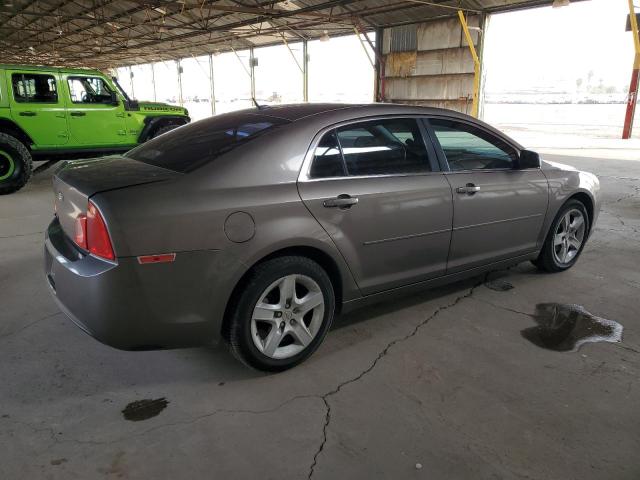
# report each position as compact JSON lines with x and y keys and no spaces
{"x":131,"y":306}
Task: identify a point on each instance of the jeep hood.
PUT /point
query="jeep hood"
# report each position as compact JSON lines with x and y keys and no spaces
{"x":157,"y":107}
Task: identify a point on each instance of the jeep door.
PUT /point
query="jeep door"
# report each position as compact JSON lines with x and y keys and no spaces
{"x":376,"y":188}
{"x":498,"y":208}
{"x":37,"y":107}
{"x":94,"y":120}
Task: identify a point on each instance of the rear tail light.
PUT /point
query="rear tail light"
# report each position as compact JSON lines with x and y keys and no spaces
{"x":91,"y":233}
{"x":81,"y":231}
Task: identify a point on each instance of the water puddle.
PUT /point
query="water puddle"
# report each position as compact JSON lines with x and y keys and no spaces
{"x":144,"y":409}
{"x":499,"y":285}
{"x":566,"y":327}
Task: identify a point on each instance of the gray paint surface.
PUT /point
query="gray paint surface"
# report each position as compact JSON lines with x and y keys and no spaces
{"x":405,"y":232}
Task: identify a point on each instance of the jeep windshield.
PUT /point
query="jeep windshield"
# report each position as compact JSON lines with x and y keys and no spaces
{"x":121,"y":90}
{"x":187,"y":148}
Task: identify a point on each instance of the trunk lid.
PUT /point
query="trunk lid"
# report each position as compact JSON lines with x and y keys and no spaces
{"x":74,"y":182}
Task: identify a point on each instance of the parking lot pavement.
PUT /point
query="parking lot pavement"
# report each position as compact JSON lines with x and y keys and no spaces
{"x":441,"y":385}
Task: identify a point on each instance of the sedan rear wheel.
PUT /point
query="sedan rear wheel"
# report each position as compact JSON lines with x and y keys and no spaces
{"x":281,"y":314}
{"x":288,"y":316}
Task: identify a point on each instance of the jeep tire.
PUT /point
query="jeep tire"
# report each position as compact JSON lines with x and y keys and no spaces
{"x":15,"y":164}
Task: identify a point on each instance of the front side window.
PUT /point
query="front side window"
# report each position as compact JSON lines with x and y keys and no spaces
{"x":187,"y":148}
{"x":89,"y":90}
{"x":383,"y":147}
{"x":470,"y":148}
{"x":34,"y":88}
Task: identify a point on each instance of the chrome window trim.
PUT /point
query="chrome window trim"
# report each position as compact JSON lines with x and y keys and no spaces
{"x":303,"y":176}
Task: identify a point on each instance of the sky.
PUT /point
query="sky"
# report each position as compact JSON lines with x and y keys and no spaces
{"x":549,"y":48}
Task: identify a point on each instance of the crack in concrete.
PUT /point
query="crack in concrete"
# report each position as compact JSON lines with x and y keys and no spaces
{"x":15,"y":332}
{"x":324,"y":397}
{"x":619,"y":178}
{"x":380,"y":356}
{"x":22,"y":235}
{"x":501,"y":307}
{"x":618,"y":217}
{"x":58,"y":441}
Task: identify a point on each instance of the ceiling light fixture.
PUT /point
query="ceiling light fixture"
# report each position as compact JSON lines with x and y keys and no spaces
{"x":325,"y":36}
{"x":560,"y":3}
{"x":160,"y":10}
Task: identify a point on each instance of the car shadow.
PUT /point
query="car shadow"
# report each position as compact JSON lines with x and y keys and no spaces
{"x":403,"y":301}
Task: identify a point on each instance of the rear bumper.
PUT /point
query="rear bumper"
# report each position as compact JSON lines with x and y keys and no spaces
{"x":131,"y":306}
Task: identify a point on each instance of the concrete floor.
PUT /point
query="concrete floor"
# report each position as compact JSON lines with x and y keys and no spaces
{"x":443,"y":379}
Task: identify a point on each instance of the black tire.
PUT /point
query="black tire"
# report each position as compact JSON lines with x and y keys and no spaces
{"x":547,"y":261}
{"x":238,"y":326}
{"x":164,"y":129}
{"x":15,"y":164}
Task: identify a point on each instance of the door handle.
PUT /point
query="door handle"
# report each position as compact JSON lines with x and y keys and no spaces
{"x":342,"y":202}
{"x":469,"y":189}
{"x":27,"y":114}
{"x":78,"y":114}
{"x":120,"y":115}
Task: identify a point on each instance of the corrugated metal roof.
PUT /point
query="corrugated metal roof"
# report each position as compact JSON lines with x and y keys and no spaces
{"x":108,"y":33}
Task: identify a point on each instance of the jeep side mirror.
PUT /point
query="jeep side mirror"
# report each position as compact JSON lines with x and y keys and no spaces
{"x":114,"y":99}
{"x":529,"y":159}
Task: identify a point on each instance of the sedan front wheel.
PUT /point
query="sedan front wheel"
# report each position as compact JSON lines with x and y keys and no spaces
{"x":566,"y":238}
{"x":282,"y":313}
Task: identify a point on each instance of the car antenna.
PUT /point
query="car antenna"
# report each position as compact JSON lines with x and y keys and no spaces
{"x":255,"y":102}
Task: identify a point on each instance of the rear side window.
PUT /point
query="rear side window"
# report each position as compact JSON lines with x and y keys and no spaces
{"x":34,"y":88}
{"x":470,"y":148}
{"x":376,"y":147}
{"x":190,"y":147}
{"x":327,"y":159}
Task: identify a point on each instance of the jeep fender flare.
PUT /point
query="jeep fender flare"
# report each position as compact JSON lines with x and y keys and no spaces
{"x":151,"y":123}
{"x":11,"y":128}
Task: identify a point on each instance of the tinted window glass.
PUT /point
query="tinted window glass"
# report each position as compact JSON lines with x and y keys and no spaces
{"x":327,"y":160}
{"x":89,"y":90}
{"x":469,"y":148}
{"x":34,"y":88}
{"x":381,"y":147}
{"x":190,"y":147}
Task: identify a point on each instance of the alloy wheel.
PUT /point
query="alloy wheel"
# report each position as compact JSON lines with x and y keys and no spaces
{"x":568,"y":237}
{"x":287,"y":316}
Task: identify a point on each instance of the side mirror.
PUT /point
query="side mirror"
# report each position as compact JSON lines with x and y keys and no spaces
{"x":529,"y":159}
{"x":114,"y":99}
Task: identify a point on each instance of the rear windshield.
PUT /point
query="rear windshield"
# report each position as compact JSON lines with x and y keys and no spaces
{"x":190,"y":147}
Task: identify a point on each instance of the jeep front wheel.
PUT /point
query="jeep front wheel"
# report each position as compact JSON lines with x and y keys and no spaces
{"x":15,"y":164}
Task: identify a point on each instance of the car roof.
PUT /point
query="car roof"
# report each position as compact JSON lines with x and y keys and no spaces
{"x":43,"y":68}
{"x":299,"y":111}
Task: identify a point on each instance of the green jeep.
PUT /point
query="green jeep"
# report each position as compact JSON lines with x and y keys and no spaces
{"x":49,"y":113}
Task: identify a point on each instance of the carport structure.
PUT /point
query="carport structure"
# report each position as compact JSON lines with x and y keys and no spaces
{"x":417,"y":47}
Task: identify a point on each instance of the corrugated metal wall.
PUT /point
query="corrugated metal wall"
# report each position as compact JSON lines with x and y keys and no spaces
{"x":430,"y":64}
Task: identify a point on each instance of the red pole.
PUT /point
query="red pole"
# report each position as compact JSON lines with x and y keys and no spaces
{"x":631,"y":104}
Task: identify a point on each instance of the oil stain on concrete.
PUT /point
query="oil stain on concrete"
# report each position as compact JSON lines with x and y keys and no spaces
{"x":144,"y":409}
{"x":499,"y":285}
{"x":566,"y":327}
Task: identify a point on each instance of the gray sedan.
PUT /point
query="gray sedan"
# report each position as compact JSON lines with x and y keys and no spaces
{"x":259,"y":226}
